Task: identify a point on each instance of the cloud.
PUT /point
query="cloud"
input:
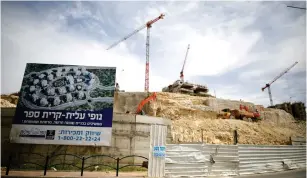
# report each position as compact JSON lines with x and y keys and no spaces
{"x":236,"y":47}
{"x":25,"y":39}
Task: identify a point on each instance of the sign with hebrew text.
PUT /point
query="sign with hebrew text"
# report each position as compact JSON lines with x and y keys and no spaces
{"x":65,"y":105}
{"x":159,"y":151}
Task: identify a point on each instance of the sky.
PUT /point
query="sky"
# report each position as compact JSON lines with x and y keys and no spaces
{"x":235,"y":47}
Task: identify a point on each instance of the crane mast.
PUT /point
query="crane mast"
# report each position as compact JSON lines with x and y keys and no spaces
{"x":185,"y":59}
{"x":268,"y":85}
{"x":148,"y":25}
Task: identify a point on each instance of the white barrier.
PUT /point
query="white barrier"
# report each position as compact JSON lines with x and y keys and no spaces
{"x":156,"y":163}
{"x":261,"y":159}
{"x":201,"y":160}
{"x":194,"y":160}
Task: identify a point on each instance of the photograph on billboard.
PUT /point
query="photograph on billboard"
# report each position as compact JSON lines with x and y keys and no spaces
{"x":65,"y":104}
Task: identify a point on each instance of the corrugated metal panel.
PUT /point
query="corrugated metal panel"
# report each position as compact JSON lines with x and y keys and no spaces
{"x":199,"y":160}
{"x":261,"y":159}
{"x":225,"y":158}
{"x":156,"y":165}
{"x":298,"y":141}
{"x":185,"y":160}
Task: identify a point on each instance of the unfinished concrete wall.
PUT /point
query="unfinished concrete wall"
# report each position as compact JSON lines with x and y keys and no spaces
{"x":130,"y":136}
{"x":127,"y":102}
{"x":220,"y":104}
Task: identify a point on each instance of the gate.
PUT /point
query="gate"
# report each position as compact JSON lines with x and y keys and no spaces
{"x":156,"y":165}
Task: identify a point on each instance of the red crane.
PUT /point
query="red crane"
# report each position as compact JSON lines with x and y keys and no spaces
{"x":185,"y":59}
{"x":148,"y":25}
{"x":268,"y":85}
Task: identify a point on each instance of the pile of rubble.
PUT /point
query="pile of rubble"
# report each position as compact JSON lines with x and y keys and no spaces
{"x":9,"y":101}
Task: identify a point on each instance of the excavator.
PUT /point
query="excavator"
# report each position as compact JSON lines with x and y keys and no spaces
{"x":241,"y":114}
{"x":152,"y":97}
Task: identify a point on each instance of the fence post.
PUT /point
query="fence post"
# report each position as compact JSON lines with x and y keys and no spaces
{"x":117,"y":166}
{"x":82,"y":166}
{"x":235,"y":137}
{"x":202,"y":135}
{"x":8,"y":165}
{"x":46,"y":165}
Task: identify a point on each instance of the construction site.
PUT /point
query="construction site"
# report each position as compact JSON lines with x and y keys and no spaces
{"x":201,"y":119}
{"x":181,"y":115}
{"x":198,"y":116}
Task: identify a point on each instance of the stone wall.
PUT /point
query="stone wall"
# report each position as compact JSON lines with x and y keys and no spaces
{"x":130,"y":136}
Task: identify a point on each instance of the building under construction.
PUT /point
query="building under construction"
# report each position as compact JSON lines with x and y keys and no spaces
{"x":297,"y":110}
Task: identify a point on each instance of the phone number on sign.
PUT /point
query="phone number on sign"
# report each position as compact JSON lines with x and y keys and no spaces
{"x":79,"y":138}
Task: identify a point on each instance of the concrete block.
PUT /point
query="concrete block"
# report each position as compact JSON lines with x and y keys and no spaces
{"x":122,"y":143}
{"x":121,"y":127}
{"x":152,"y":120}
{"x":123,"y":117}
{"x":142,"y":128}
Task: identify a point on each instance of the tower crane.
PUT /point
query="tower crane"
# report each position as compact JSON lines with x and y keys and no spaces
{"x":268,"y":85}
{"x":148,"y":25}
{"x":185,"y":59}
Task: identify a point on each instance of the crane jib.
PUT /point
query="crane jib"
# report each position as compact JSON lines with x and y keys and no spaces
{"x":148,"y":25}
{"x":276,"y":78}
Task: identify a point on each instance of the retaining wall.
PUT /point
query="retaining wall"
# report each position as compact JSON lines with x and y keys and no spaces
{"x":130,"y":136}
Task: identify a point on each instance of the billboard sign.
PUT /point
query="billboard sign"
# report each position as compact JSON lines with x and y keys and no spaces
{"x":65,"y":104}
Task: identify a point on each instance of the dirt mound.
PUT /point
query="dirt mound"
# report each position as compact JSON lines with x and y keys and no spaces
{"x":217,"y":131}
{"x":6,"y":104}
{"x":195,"y":120}
{"x":12,"y":98}
{"x":9,"y":101}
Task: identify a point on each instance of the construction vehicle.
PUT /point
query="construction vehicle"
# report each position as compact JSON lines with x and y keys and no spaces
{"x":245,"y":114}
{"x":225,"y":114}
{"x":242,"y":114}
{"x":268,"y":85}
{"x":148,"y":25}
{"x":152,"y":97}
{"x":182,"y":86}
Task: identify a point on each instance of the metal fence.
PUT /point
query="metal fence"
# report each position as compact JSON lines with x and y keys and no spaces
{"x":261,"y":159}
{"x":298,"y":140}
{"x":46,"y":164}
{"x":201,"y":160}
{"x":223,"y":160}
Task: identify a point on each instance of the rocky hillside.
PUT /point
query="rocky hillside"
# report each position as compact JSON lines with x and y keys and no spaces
{"x":8,"y":101}
{"x":196,"y":117}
